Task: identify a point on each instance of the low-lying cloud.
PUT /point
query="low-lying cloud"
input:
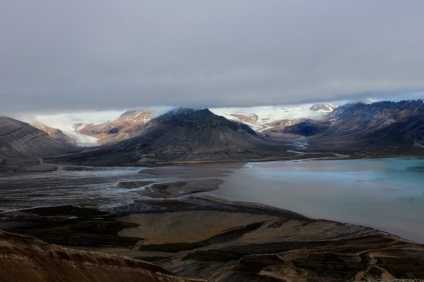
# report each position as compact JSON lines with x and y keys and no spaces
{"x":77,"y":55}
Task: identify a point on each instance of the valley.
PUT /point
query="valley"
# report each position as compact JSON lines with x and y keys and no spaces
{"x":213,"y":233}
{"x":210,"y":198}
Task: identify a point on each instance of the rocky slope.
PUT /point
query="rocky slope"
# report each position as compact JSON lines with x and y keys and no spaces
{"x":21,"y":139}
{"x":20,"y":143}
{"x":389,"y":127}
{"x":24,"y":258}
{"x":186,"y":135}
{"x":128,"y":125}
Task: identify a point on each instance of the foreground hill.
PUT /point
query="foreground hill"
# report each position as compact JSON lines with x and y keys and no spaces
{"x":206,"y":238}
{"x":24,"y":258}
{"x":186,"y":135}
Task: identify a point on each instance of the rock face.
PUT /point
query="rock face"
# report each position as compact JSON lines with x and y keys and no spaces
{"x":128,"y":125}
{"x":24,"y":258}
{"x":182,"y":136}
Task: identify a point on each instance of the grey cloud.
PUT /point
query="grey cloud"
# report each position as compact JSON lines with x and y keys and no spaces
{"x":82,"y":55}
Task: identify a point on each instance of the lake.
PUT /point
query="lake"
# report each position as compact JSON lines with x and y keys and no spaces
{"x":387,"y":194}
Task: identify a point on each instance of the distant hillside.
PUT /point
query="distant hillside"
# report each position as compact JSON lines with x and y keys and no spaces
{"x":18,"y":139}
{"x":21,"y":143}
{"x":128,"y":125}
{"x":391,"y":127}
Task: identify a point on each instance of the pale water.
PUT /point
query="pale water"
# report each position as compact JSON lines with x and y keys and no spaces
{"x":387,"y":194}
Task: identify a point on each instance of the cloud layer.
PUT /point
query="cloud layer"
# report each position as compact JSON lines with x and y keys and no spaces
{"x":102,"y":54}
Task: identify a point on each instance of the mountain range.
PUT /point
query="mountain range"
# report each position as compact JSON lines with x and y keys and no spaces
{"x":268,"y":244}
{"x":266,"y":120}
{"x":380,"y":128}
{"x":187,"y":135}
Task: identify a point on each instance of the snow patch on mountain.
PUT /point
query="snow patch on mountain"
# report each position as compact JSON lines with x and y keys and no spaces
{"x":266,"y":115}
{"x":67,"y":122}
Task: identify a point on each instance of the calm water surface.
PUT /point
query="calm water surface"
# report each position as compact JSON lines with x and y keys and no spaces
{"x":383,"y":193}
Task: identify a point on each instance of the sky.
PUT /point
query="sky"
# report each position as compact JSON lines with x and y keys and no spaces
{"x":100,"y":55}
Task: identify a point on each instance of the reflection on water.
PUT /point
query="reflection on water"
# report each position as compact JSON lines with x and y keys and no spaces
{"x":383,"y":193}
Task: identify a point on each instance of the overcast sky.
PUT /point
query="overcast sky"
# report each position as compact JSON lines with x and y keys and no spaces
{"x":67,"y":56}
